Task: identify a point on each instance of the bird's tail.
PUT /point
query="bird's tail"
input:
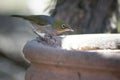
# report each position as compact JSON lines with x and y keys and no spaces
{"x":20,"y":16}
{"x":33,"y":29}
{"x":16,"y":15}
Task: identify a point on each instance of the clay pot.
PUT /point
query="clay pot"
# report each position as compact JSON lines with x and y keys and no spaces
{"x":88,"y":61}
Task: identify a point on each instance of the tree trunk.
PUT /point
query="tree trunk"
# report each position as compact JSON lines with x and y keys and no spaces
{"x":89,"y":16}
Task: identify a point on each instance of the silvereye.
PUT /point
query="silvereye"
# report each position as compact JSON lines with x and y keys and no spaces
{"x":41,"y":22}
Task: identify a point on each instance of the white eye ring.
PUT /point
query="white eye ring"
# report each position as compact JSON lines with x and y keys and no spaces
{"x":63,"y":26}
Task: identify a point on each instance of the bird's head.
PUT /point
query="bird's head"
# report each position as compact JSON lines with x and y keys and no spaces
{"x":62,"y":27}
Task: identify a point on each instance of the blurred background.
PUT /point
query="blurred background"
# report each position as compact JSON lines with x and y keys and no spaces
{"x":85,"y":16}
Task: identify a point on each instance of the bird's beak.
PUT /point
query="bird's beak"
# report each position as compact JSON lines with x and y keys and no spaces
{"x":66,"y":30}
{"x":69,"y":29}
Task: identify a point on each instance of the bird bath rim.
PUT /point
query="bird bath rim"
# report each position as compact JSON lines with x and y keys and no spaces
{"x":37,"y":53}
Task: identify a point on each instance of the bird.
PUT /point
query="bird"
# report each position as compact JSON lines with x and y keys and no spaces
{"x":47,"y":25}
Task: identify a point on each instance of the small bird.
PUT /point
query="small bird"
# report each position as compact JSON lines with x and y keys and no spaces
{"x":40,"y":24}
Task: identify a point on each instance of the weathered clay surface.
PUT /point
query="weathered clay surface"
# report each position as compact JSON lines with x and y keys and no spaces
{"x":50,"y":63}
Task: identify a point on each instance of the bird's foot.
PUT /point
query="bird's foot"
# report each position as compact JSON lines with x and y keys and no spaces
{"x":50,"y":39}
{"x":47,"y":39}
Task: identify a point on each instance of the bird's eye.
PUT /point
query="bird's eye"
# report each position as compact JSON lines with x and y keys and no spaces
{"x":63,"y":26}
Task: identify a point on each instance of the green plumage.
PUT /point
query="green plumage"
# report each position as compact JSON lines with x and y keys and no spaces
{"x":38,"y":19}
{"x":57,"y":27}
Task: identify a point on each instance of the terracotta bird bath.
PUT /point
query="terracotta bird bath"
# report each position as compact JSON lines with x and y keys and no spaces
{"x":75,"y":57}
